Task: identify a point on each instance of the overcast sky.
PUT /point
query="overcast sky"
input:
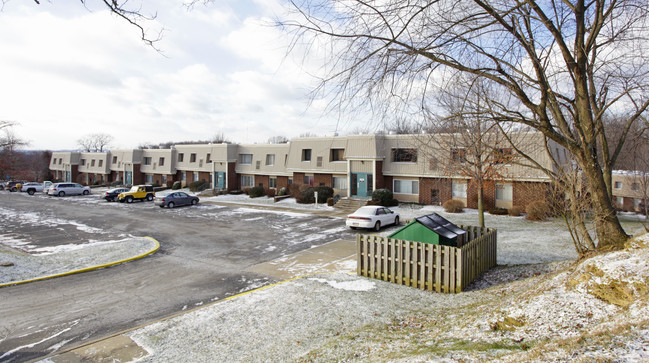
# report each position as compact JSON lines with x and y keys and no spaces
{"x":67,"y":71}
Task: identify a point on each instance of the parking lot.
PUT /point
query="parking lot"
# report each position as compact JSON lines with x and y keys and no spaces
{"x":207,"y":253}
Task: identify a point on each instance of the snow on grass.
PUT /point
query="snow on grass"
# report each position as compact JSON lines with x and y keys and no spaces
{"x":61,"y":259}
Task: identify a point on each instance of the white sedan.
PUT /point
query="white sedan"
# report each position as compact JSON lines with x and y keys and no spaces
{"x":374,"y":217}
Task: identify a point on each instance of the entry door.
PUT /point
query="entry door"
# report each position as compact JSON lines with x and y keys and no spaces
{"x":362,"y":182}
{"x":219,"y":176}
{"x":129,"y":178}
{"x":67,"y":176}
{"x":434,"y":197}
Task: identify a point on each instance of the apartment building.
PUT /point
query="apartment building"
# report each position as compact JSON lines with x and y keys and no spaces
{"x":424,"y":169}
{"x":630,"y":190}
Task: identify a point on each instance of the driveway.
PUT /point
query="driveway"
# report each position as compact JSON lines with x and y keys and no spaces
{"x":206,"y":254}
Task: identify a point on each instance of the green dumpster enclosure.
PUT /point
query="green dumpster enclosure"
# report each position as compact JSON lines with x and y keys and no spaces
{"x":433,"y":229}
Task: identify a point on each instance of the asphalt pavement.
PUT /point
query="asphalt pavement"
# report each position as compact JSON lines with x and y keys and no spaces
{"x":207,"y":253}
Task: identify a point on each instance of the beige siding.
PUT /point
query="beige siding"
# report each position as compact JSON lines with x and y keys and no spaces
{"x":258,"y":164}
{"x":94,"y":158}
{"x":154,"y":166}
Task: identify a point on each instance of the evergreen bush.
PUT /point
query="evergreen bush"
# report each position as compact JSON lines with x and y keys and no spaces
{"x":176,"y":185}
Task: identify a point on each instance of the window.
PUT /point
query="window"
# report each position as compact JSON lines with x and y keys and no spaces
{"x":164,"y":180}
{"x":308,"y":180}
{"x":636,"y":203}
{"x":83,"y":162}
{"x":504,"y":192}
{"x":458,"y":155}
{"x":192,"y":157}
{"x":405,"y":186}
{"x":270,"y":159}
{"x":337,"y":155}
{"x":458,"y":190}
{"x":635,"y":187}
{"x":181,"y":157}
{"x":195,"y":177}
{"x":257,"y":164}
{"x":101,"y":163}
{"x":340,"y":182}
{"x":503,"y":156}
{"x":114,"y":159}
{"x":617,"y":185}
{"x":619,"y":201}
{"x":404,"y":155}
{"x":319,"y":162}
{"x":183,"y":176}
{"x":306,"y":154}
{"x":247,"y":181}
{"x":60,"y":160}
{"x":92,"y":163}
{"x":272,"y":182}
{"x":245,"y":159}
{"x":148,"y":178}
{"x":147,"y":160}
{"x":208,"y":158}
{"x":54,"y":161}
{"x":161,"y":161}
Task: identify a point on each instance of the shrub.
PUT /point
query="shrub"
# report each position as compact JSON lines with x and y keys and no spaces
{"x":454,"y":206}
{"x":270,"y":192}
{"x":324,"y":193}
{"x":537,"y":211}
{"x":294,"y":190}
{"x":256,"y":192}
{"x":176,"y":185}
{"x":330,"y":202}
{"x":282,"y":191}
{"x":198,"y":186}
{"x":498,"y":211}
{"x":515,"y":211}
{"x":383,"y":196}
{"x":393,"y":203}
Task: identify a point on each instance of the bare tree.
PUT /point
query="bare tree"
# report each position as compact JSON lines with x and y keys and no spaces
{"x":559,"y":66}
{"x":95,"y":142}
{"x":278,"y":140}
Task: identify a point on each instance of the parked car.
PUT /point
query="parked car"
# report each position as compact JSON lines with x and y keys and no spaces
{"x":14,"y":186}
{"x":33,"y":187}
{"x":137,"y":192}
{"x":372,"y":217}
{"x":63,"y":189}
{"x":174,"y":199}
{"x":112,"y":194}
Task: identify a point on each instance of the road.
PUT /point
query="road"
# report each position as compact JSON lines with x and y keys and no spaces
{"x":204,"y":256}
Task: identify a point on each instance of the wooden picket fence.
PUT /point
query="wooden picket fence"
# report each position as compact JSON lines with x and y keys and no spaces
{"x":427,"y":266}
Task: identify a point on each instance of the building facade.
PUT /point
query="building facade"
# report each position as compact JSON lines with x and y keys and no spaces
{"x":354,"y":166}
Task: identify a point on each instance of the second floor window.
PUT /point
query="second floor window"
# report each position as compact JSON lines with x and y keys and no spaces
{"x":404,"y":155}
{"x":337,"y":155}
{"x":306,"y":154}
{"x":83,"y":162}
{"x":192,"y":157}
{"x":161,"y":161}
{"x":458,"y":155}
{"x":270,"y":159}
{"x":245,"y":159}
{"x":181,"y":157}
{"x":147,"y":160}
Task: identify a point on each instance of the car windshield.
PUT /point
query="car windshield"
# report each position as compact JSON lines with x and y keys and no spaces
{"x":366,"y":211}
{"x":133,"y":189}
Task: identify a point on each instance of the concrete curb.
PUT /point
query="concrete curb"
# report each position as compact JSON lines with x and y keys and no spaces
{"x":156,"y":248}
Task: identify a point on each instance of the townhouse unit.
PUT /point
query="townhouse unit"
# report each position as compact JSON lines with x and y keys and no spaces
{"x":630,"y":189}
{"x":427,"y":169}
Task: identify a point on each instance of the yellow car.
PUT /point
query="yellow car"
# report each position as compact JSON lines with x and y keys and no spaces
{"x":139,"y":192}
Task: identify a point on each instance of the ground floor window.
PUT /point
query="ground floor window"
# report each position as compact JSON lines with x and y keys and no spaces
{"x":458,"y":189}
{"x":400,"y":186}
{"x":164,"y":180}
{"x":636,"y":203}
{"x":272,"y":182}
{"x":308,"y":180}
{"x":183,"y":176}
{"x":340,"y":182}
{"x":620,"y":201}
{"x":504,"y":192}
{"x":247,"y":181}
{"x":148,"y":178}
{"x":195,"y":176}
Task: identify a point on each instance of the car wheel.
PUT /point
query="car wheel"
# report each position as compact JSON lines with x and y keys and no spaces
{"x":121,"y":200}
{"x":352,"y":227}
{"x":377,"y":226}
{"x":61,"y":194}
{"x":149,"y":197}
{"x":396,"y":220}
{"x":170,"y":205}
{"x":86,"y":192}
{"x":30,"y":192}
{"x":129,"y":199}
{"x":194,"y":201}
{"x":14,"y":189}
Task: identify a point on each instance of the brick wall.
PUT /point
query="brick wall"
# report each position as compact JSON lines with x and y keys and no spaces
{"x":204,"y":176}
{"x":233,"y":177}
{"x":298,"y":178}
{"x":324,"y":179}
{"x":282,"y":182}
{"x":426,"y":185}
{"x":379,"y":178}
{"x":261,"y":180}
{"x":527,"y":192}
{"x":488,"y":195}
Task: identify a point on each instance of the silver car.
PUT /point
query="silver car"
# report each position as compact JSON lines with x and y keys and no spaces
{"x":173,"y":199}
{"x":63,"y":189}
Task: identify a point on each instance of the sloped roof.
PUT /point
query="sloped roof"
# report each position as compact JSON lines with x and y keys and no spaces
{"x":440,"y":225}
